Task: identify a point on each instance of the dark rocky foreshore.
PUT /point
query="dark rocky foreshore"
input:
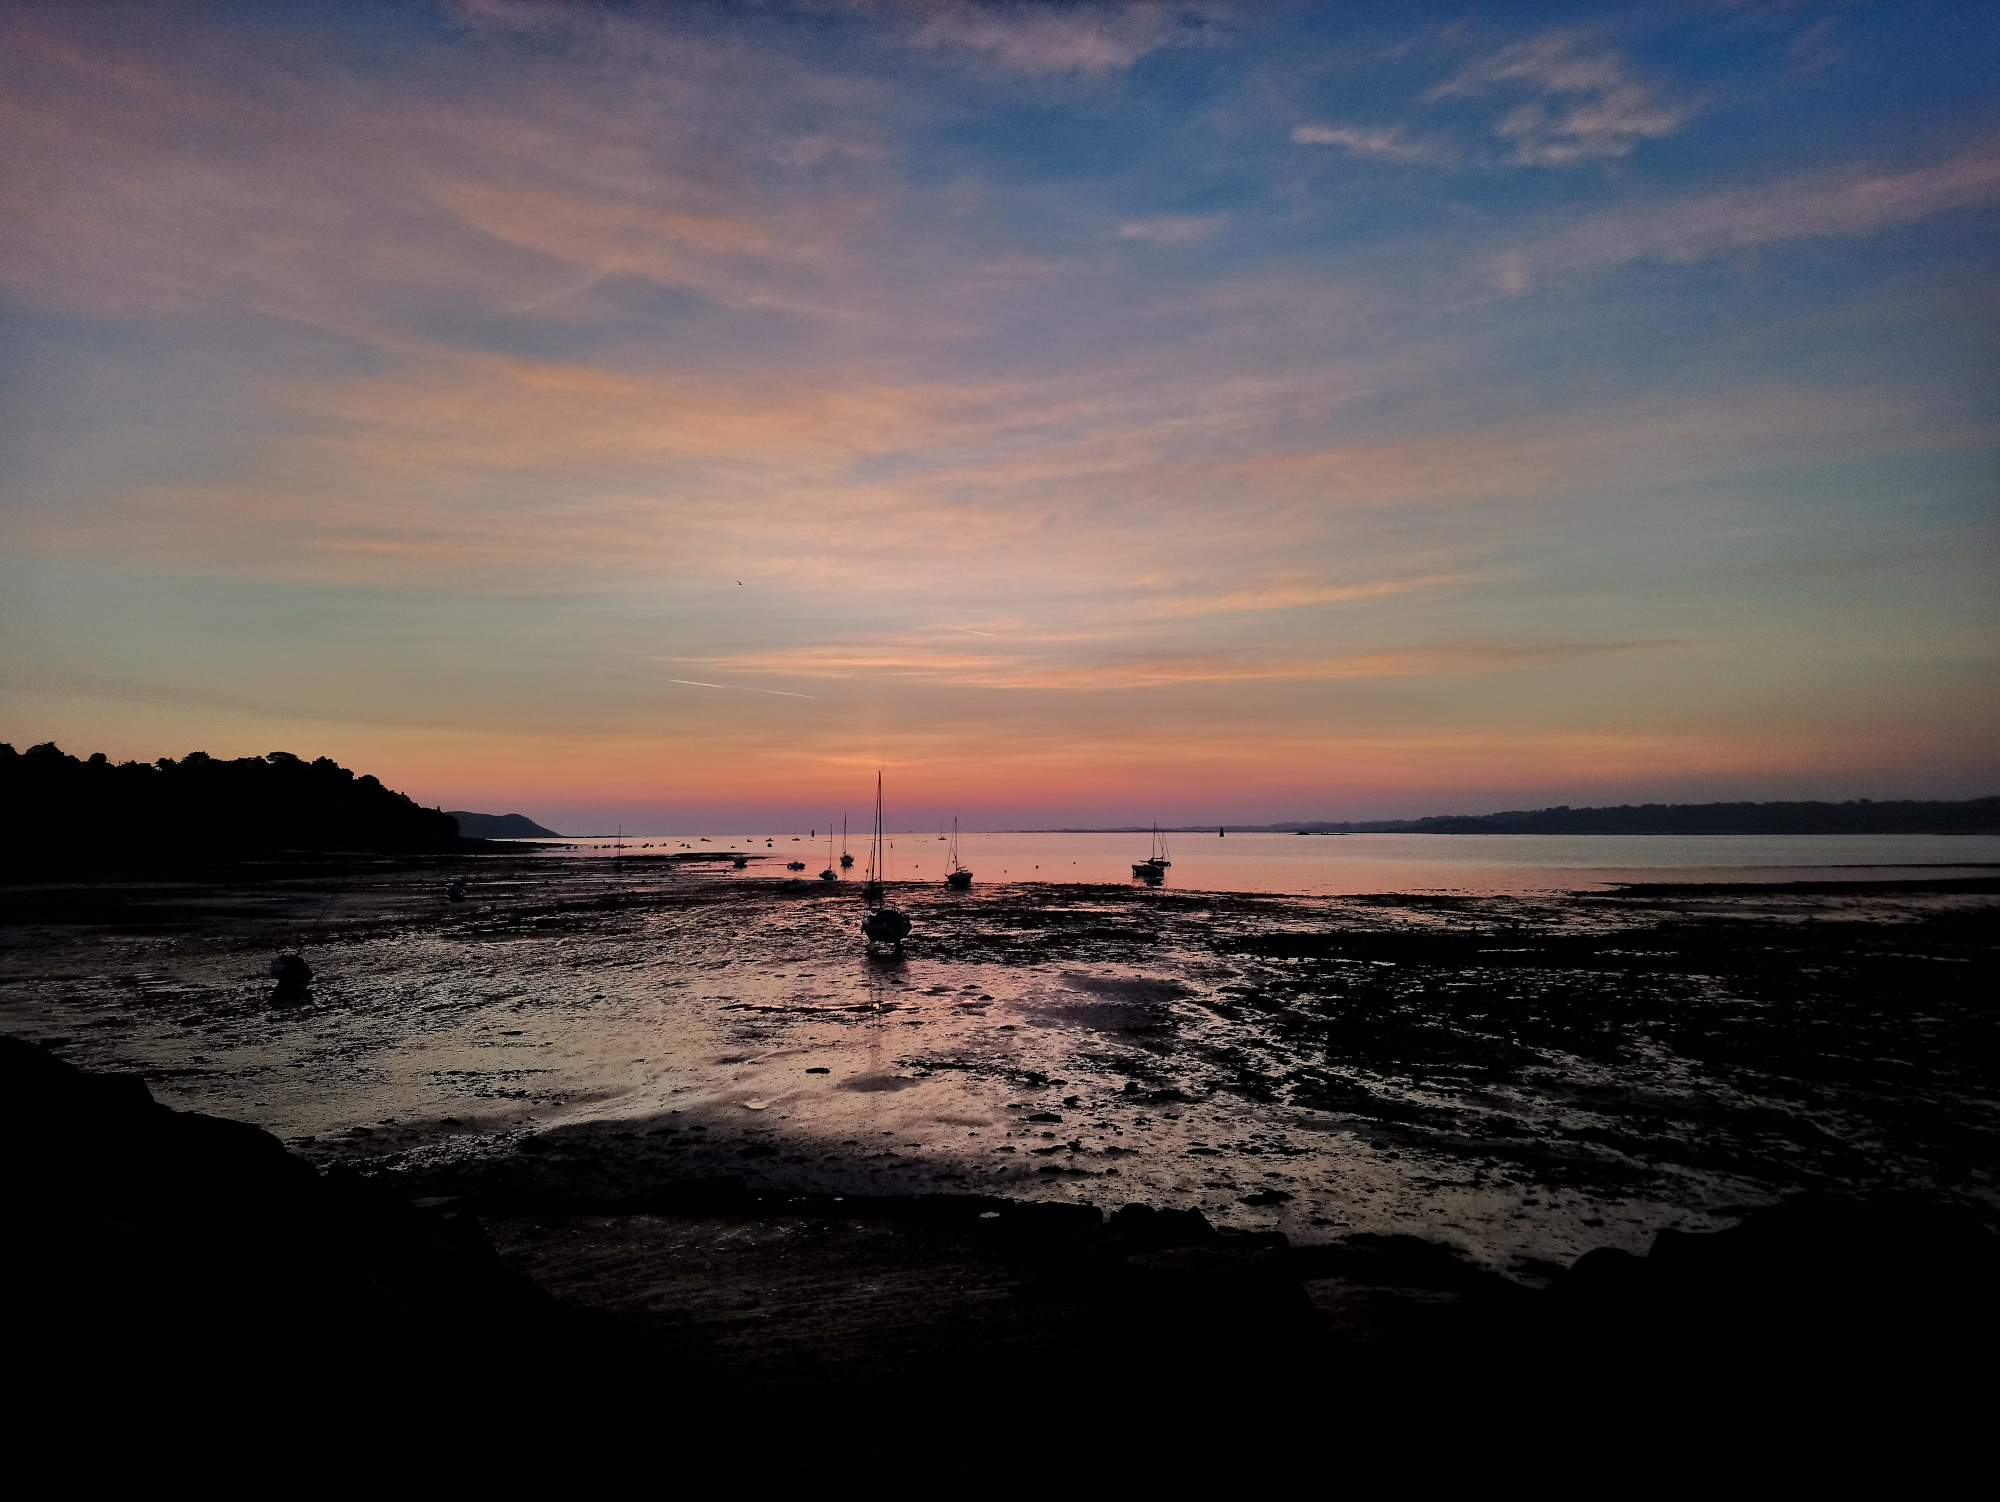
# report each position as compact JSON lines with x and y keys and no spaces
{"x":146,"y":1239}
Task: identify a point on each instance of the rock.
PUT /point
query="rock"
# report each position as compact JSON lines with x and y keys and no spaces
{"x":1046,"y":1219}
{"x":292,"y":974}
{"x":1829,"y":1290}
{"x":1142,"y":1226}
{"x":136,"y":1230}
{"x":1265,"y":1197}
{"x":1044,"y":1116}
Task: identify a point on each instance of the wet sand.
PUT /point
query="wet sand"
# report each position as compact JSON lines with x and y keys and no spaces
{"x":1522,"y":1079}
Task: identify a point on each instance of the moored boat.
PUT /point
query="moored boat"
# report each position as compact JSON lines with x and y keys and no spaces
{"x":956,"y":876}
{"x":1153,"y":868}
{"x":883,"y":924}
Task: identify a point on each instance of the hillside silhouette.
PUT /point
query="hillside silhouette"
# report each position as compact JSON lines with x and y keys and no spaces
{"x":499,"y":826}
{"x":73,"y":811}
{"x":1857,"y":816}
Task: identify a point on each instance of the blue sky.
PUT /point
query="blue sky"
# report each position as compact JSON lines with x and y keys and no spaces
{"x":1202,"y":411}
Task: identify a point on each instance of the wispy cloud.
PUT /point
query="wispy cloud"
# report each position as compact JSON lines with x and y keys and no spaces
{"x":1647,"y":444}
{"x":1288,"y":596}
{"x":1378,"y":143}
{"x":1086,"y":40}
{"x":1172,"y":229}
{"x":1856,"y":201}
{"x":1018,"y":672}
{"x":1586,"y":103}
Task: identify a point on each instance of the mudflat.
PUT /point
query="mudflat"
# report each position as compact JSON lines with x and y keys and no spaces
{"x":686,"y":1100}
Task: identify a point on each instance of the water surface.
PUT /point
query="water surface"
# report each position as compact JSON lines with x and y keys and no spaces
{"x":1349,"y":865}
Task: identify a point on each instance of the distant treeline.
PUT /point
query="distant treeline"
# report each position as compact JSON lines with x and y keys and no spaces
{"x":61,"y":808}
{"x":1860,"y":816}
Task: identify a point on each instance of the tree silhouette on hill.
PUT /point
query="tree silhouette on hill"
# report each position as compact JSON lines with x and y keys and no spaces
{"x":65,"y":807}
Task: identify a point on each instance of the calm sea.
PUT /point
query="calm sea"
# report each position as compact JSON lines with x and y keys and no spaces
{"x":1338,"y":865}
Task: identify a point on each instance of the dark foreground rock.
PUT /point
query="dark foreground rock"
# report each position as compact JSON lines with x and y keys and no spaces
{"x":142,"y":1238}
{"x":145,"y":1242}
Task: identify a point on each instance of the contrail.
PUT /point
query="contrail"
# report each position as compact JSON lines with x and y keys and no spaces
{"x":697,"y":683}
{"x":970,"y":632}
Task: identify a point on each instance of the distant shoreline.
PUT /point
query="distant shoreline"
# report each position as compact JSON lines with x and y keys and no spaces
{"x":1857,"y":816}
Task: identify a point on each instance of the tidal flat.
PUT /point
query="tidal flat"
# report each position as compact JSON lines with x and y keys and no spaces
{"x":1519,"y":1078}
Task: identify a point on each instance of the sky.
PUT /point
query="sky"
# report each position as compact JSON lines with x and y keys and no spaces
{"x":671,"y":415}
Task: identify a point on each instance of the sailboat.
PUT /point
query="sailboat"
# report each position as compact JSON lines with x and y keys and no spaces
{"x":829,"y":874}
{"x":846,"y":860}
{"x":882,"y":924}
{"x":1154,"y":867}
{"x":956,"y":876}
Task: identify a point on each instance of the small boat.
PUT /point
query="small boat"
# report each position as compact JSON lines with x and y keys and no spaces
{"x":846,"y":860}
{"x":795,"y":865}
{"x":739,"y":862}
{"x":882,"y":924}
{"x":956,"y":877}
{"x":829,"y":874}
{"x":1154,"y":867}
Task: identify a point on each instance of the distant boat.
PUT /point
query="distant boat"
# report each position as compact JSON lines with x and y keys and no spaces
{"x":956,"y":877}
{"x":883,"y":924}
{"x":795,"y":865}
{"x":739,"y":862}
{"x":846,"y":860}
